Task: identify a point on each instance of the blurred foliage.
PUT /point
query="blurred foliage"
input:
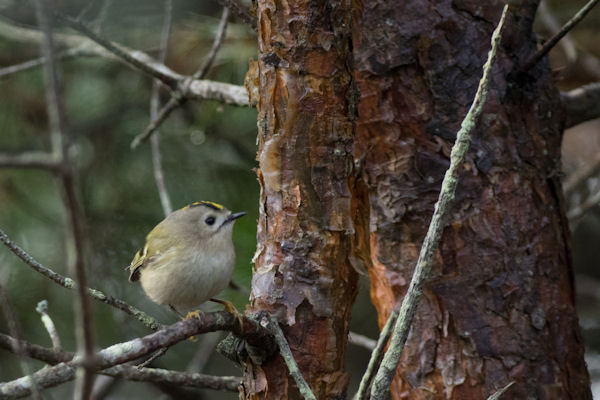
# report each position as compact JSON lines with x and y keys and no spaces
{"x":208,"y":152}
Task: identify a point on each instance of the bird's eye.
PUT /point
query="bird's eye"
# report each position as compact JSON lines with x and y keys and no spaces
{"x":210,"y":220}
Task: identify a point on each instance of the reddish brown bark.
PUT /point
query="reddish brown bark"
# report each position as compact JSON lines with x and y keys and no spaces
{"x":305,"y":235}
{"x":499,"y":306}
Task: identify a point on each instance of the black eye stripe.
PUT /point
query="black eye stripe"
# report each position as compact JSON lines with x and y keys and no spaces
{"x":209,"y":220}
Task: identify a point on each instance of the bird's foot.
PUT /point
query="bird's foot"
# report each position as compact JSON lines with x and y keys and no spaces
{"x":190,"y":315}
{"x":230,"y":308}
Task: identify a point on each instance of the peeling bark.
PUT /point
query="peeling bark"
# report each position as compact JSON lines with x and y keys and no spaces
{"x":500,"y":304}
{"x":304,"y":272}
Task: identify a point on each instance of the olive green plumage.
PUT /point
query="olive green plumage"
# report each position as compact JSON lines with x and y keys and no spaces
{"x":188,"y":257}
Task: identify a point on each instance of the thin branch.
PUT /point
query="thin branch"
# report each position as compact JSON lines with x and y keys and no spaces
{"x":240,"y":11}
{"x":499,"y":393}
{"x":68,"y":283}
{"x":124,"y":352}
{"x":553,"y":27}
{"x":361,"y":341}
{"x":559,"y":35}
{"x":284,"y":349}
{"x":387,"y":370}
{"x":159,"y":176}
{"x":61,"y":143}
{"x":42,"y":309}
{"x":580,"y":209}
{"x":581,"y":104}
{"x":178,"y":98}
{"x":125,"y":371}
{"x":15,"y":330}
{"x":198,"y":90}
{"x":580,"y":176}
{"x":30,"y":159}
{"x":376,"y":356}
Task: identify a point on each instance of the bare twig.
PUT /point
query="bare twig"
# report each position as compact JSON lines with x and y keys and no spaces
{"x":376,"y":356}
{"x":581,"y":175}
{"x":284,"y":349}
{"x":42,"y":309}
{"x":240,"y":11}
{"x":361,"y":341}
{"x":581,"y":104}
{"x":61,"y":143}
{"x":158,"y":353}
{"x":178,"y":98}
{"x":159,"y":176}
{"x":124,"y":371}
{"x":559,"y":35}
{"x":68,"y":283}
{"x":499,"y":393}
{"x":30,"y":159}
{"x":123,"y":352}
{"x":387,"y":370}
{"x":587,"y":204}
{"x":553,"y":27}
{"x":197,"y":90}
{"x":15,"y":330}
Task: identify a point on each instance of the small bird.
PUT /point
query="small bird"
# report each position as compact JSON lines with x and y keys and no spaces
{"x":188,"y":257}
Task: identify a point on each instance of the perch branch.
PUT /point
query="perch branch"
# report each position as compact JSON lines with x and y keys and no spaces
{"x":387,"y":370}
{"x":125,"y":371}
{"x":68,"y":283}
{"x":581,"y":104}
{"x":559,"y":35}
{"x":124,"y":352}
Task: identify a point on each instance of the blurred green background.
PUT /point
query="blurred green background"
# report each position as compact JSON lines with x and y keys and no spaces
{"x":208,"y":152}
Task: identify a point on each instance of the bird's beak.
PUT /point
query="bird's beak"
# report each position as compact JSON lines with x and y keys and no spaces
{"x":233,"y":217}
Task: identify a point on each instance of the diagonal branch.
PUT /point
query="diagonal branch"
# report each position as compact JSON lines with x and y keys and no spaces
{"x":559,"y":35}
{"x":178,"y":98}
{"x":387,"y":370}
{"x":581,"y":104}
{"x":124,"y":371}
{"x":61,"y":144}
{"x":240,"y":11}
{"x":124,"y":352}
{"x":198,"y":89}
{"x":68,"y":283}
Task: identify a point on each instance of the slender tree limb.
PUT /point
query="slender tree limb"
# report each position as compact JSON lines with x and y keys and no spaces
{"x":240,"y":11}
{"x":581,"y":104}
{"x":580,"y":209}
{"x":198,"y":90}
{"x":376,"y":357}
{"x":559,"y":35}
{"x":499,"y":393}
{"x":124,"y":352}
{"x":42,"y":309}
{"x":387,"y":370}
{"x":30,"y":159}
{"x":580,"y":176}
{"x":567,"y":44}
{"x":61,"y":143}
{"x":125,"y":371}
{"x":361,"y":341}
{"x":178,"y":98}
{"x":159,"y":176}
{"x":15,"y":330}
{"x":284,"y":349}
{"x":69,"y":283}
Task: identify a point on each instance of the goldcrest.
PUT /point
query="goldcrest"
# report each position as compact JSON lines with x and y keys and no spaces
{"x":189,"y":257}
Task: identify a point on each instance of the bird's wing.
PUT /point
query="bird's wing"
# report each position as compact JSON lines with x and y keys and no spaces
{"x":146,"y":254}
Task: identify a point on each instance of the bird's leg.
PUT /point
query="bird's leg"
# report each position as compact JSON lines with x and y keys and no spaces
{"x":230,"y":308}
{"x":191,"y":314}
{"x":180,"y":315}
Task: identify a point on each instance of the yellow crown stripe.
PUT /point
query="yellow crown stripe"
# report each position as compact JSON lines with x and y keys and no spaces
{"x":209,"y":204}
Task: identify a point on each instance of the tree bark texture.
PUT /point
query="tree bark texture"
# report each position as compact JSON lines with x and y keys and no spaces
{"x":500,"y":303}
{"x":304,"y":275}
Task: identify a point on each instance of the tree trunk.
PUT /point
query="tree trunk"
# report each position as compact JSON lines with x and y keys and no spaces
{"x":303,"y":273}
{"x":500,"y":303}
